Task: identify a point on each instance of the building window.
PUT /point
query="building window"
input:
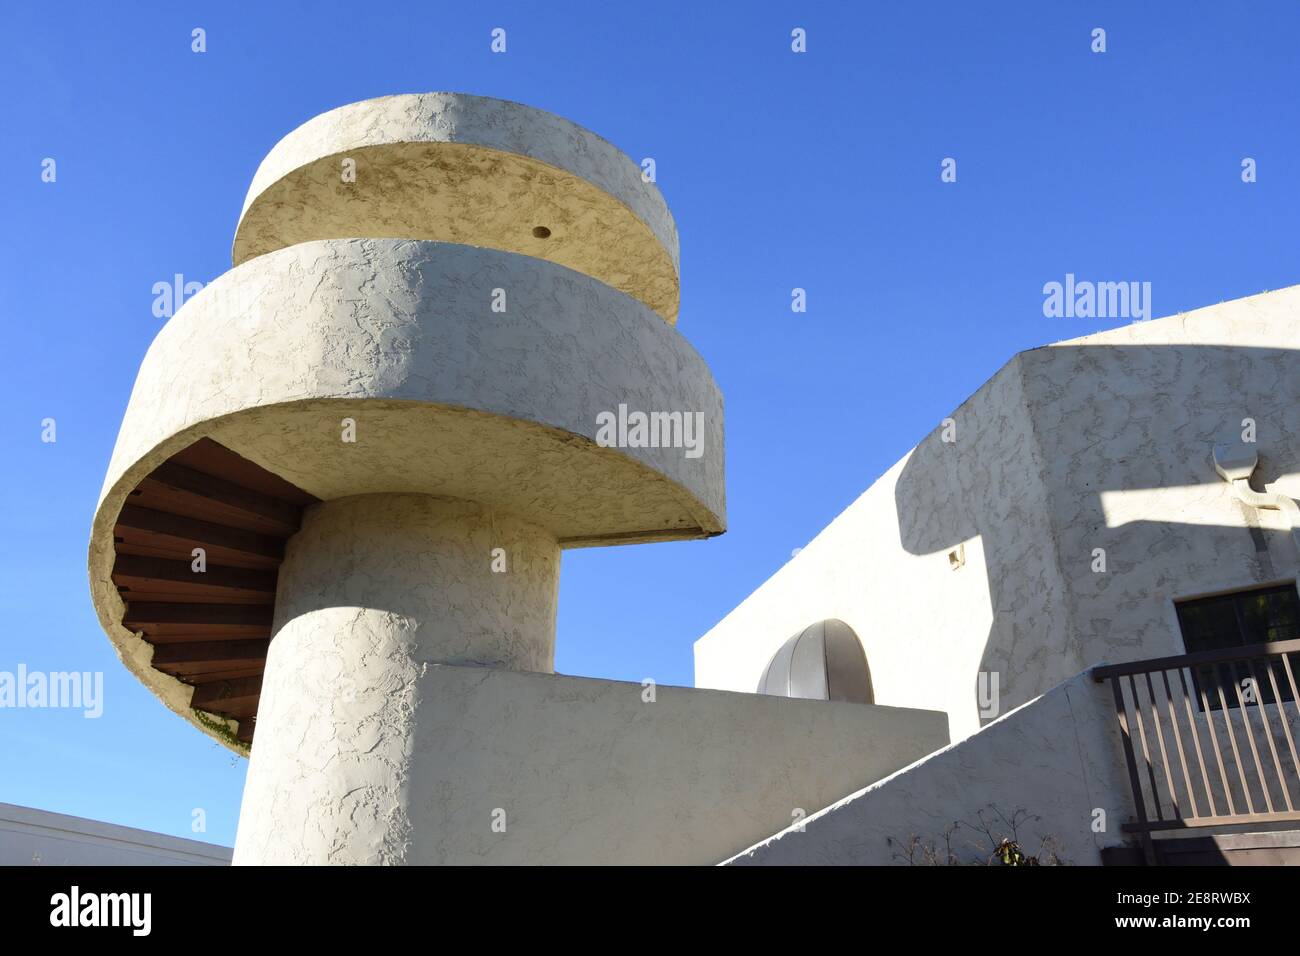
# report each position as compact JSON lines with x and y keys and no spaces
{"x":824,"y":661}
{"x":1260,"y":616}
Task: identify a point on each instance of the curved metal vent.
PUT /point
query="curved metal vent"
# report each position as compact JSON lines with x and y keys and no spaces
{"x":824,"y":661}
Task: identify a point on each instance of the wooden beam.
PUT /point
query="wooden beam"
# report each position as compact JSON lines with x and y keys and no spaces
{"x":208,"y":497}
{"x":198,"y":674}
{"x":148,"y":545}
{"x":217,"y":621}
{"x":167,"y":576}
{"x":204,"y":652}
{"x":211,"y":458}
{"x":247,"y":727}
{"x":144,"y":612}
{"x":197,"y":633}
{"x":190,"y":533}
{"x":179,"y":596}
{"x":202,"y":634}
{"x":237,"y":698}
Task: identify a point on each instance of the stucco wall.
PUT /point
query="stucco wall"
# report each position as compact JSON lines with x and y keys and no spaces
{"x":30,"y":837}
{"x":1127,"y":421}
{"x":1057,"y":757}
{"x":586,"y":771}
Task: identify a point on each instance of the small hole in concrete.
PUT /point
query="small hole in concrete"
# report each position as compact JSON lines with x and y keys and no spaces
{"x":541,"y":232}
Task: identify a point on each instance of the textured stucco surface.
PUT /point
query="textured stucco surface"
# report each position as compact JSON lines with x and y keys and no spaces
{"x":448,"y":397}
{"x":1100,"y":442}
{"x":1131,"y":417}
{"x":584,"y":771}
{"x":422,"y":568}
{"x":1057,"y":757}
{"x":404,"y":321}
{"x":374,"y":589}
{"x":473,"y":170}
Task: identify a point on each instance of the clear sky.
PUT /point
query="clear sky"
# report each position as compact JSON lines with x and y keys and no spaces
{"x":818,"y":170}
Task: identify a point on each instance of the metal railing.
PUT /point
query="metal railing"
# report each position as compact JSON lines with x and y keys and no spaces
{"x":1184,"y":720}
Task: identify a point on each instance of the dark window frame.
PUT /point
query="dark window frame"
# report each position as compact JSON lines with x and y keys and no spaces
{"x":1277,"y":617}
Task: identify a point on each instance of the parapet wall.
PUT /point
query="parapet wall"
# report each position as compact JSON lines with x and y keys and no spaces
{"x":506,"y":767}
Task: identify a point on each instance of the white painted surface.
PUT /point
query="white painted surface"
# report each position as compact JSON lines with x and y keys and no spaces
{"x":30,"y":837}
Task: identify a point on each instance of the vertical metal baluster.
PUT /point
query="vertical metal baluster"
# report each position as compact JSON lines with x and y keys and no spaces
{"x":1250,"y":736}
{"x":1286,"y":729}
{"x":1178,"y":742}
{"x":1131,"y":761}
{"x":1146,"y":750}
{"x":1196,"y":740}
{"x":1160,"y":738}
{"x":1232,"y":739}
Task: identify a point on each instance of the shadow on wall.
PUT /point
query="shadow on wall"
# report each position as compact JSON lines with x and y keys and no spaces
{"x":1070,"y":449}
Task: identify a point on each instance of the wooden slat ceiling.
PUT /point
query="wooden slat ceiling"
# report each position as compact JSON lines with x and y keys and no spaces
{"x":210,"y":629}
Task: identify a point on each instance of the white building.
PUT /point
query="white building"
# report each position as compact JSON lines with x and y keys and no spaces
{"x":1068,"y":514}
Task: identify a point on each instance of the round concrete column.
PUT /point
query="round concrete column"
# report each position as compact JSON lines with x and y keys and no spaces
{"x":373,"y":589}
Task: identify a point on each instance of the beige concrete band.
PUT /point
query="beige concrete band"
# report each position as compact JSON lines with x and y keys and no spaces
{"x":467,"y":169}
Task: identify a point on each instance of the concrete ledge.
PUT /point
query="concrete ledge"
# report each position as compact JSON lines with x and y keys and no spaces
{"x":411,"y":324}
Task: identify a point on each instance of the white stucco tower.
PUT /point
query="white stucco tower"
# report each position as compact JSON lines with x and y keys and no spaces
{"x":331,"y":530}
{"x":359,"y":453}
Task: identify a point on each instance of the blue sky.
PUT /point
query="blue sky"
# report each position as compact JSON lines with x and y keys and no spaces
{"x":818,"y":171}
